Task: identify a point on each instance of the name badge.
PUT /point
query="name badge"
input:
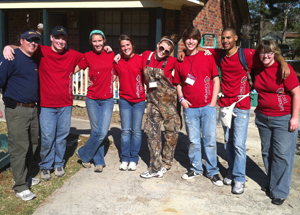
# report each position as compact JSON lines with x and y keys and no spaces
{"x":190,"y":80}
{"x":152,"y":84}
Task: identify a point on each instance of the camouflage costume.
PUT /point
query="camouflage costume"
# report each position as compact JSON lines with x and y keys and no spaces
{"x":161,"y":109}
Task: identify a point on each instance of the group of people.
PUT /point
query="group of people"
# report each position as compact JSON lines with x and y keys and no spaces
{"x":195,"y":86}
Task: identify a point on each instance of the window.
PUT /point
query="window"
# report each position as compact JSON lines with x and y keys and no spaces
{"x":132,"y":23}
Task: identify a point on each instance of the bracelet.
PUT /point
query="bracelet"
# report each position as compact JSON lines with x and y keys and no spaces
{"x":181,"y":99}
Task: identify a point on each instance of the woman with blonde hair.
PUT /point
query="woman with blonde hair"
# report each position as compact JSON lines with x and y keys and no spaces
{"x":277,"y":115}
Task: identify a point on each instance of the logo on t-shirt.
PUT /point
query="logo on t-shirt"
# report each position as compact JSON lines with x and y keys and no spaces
{"x":139,"y":87}
{"x":281,"y":98}
{"x":207,"y":88}
{"x":112,"y":81}
{"x":243,"y":85}
{"x":1,"y":63}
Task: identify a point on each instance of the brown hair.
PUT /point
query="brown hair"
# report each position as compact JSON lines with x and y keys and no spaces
{"x":269,"y":46}
{"x":191,"y":32}
{"x":170,"y":40}
{"x":128,"y":38}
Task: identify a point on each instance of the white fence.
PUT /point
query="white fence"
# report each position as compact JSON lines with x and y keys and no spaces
{"x":80,"y":84}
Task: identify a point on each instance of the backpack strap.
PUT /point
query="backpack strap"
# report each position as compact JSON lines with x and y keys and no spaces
{"x":223,"y":53}
{"x":243,"y":61}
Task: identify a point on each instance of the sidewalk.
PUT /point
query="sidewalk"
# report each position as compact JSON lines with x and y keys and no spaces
{"x":123,"y":192}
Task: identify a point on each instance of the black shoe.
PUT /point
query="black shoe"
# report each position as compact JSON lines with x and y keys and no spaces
{"x":191,"y":174}
{"x":277,"y":201}
{"x":216,"y":180}
{"x":266,"y":189}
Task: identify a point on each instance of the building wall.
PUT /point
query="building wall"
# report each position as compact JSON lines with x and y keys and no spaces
{"x":18,"y":21}
{"x":212,"y":18}
{"x":209,"y":19}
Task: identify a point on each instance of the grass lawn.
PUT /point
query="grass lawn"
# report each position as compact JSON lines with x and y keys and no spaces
{"x":10,"y":204}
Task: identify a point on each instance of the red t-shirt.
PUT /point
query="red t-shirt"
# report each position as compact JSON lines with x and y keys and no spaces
{"x":130,"y":78}
{"x":203,"y":68}
{"x":274,"y":99}
{"x":56,"y":76}
{"x":101,"y":73}
{"x":234,"y":77}
{"x":158,"y":64}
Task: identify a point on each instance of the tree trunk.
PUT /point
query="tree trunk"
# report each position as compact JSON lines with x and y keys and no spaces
{"x":285,"y":22}
{"x":261,"y":22}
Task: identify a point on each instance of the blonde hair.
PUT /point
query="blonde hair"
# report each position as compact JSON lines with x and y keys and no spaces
{"x":170,"y":40}
{"x":269,"y":46}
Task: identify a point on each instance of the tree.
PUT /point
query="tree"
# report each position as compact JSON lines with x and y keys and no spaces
{"x":285,"y":16}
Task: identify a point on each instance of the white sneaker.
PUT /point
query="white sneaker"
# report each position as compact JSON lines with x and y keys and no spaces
{"x":148,"y":174}
{"x":227,"y":181}
{"x":164,"y":170}
{"x":35,"y":181}
{"x":238,"y":187}
{"x":26,"y":195}
{"x":123,"y":166}
{"x":132,"y":166}
{"x":32,"y":181}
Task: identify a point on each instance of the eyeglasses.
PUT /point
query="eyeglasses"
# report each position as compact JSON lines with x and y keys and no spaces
{"x":35,"y":40}
{"x":162,"y":49}
{"x":269,"y":54}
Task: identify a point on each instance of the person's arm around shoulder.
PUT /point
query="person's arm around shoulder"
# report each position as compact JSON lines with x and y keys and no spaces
{"x":8,"y":52}
{"x":285,"y":70}
{"x":181,"y":54}
{"x":295,"y":93}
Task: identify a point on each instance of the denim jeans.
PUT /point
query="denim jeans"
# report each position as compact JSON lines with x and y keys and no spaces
{"x":278,"y":147}
{"x":205,"y":119}
{"x":235,"y":143}
{"x":131,"y":121}
{"x":55,"y":127}
{"x":100,"y":112}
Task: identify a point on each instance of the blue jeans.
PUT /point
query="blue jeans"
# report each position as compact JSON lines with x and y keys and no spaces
{"x":235,"y":143}
{"x":278,"y":147}
{"x":100,"y":112}
{"x":55,"y":127}
{"x":131,"y":121}
{"x":206,"y":119}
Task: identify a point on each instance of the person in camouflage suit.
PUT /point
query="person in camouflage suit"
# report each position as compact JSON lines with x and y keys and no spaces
{"x":161,"y":109}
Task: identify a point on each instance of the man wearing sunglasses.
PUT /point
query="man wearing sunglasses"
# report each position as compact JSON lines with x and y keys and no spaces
{"x":19,"y":81}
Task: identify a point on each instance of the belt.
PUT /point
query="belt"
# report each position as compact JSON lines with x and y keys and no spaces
{"x":31,"y":105}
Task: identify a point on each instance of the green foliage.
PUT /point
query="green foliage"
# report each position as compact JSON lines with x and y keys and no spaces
{"x":293,"y":19}
{"x":296,"y":46}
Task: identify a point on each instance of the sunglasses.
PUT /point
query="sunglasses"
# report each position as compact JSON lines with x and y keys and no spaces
{"x":162,"y":49}
{"x":32,"y":40}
